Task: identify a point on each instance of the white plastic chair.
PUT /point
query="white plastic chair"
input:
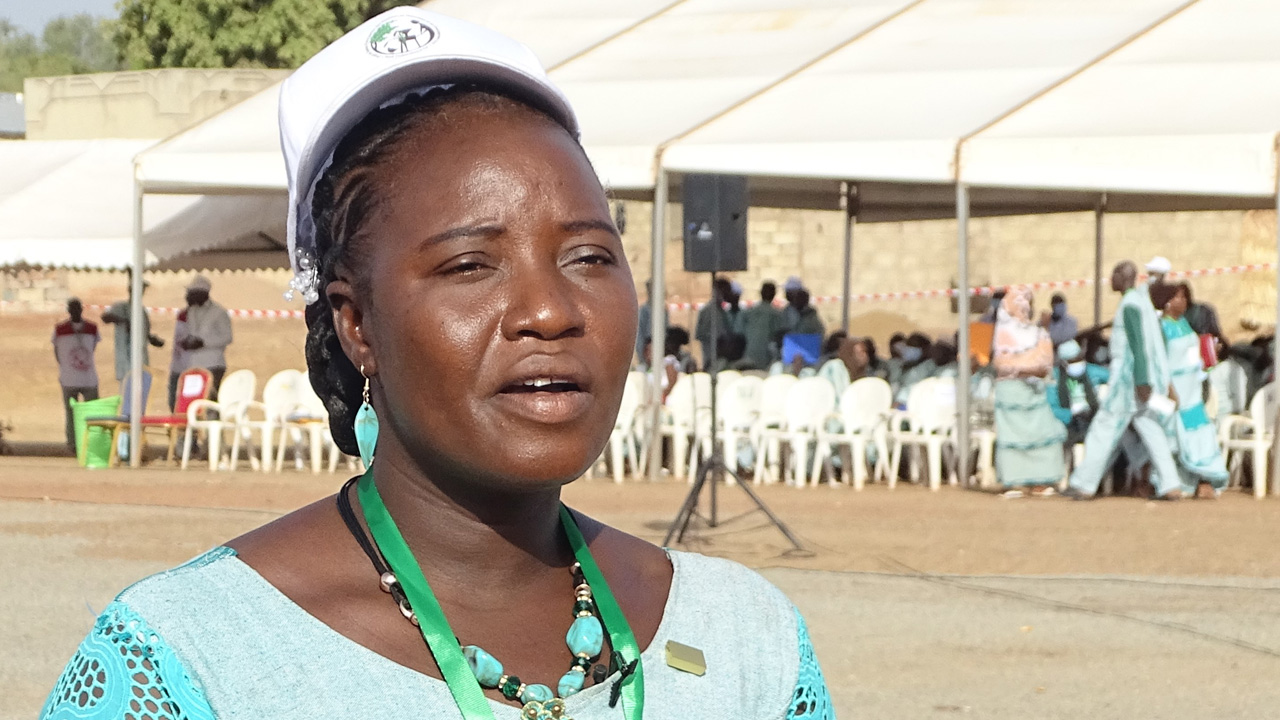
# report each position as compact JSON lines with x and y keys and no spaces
{"x":1252,"y":435}
{"x":928,"y":422}
{"x":309,"y":419}
{"x":237,"y":391}
{"x":809,"y":403}
{"x":678,"y":417}
{"x":279,"y":398}
{"x":623,"y":441}
{"x":739,"y":409}
{"x":864,"y":410}
{"x":771,"y":416}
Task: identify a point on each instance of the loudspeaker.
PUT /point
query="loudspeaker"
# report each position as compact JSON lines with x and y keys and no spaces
{"x":715,"y":223}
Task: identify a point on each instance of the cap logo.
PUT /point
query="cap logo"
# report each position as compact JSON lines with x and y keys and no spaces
{"x":401,"y":36}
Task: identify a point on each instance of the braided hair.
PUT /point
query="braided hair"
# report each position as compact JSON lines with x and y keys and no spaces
{"x":346,"y":197}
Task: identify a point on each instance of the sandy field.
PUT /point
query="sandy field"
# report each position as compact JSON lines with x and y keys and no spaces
{"x":921,"y":605}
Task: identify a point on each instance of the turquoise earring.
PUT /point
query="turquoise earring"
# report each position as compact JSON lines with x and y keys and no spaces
{"x":366,"y":426}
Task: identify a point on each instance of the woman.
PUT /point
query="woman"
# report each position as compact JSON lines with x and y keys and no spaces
{"x":468,"y":292}
{"x":1028,"y":437}
{"x":917,"y":365}
{"x":1204,"y":472}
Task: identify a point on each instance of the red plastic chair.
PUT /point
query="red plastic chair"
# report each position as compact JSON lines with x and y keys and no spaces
{"x":194,"y":384}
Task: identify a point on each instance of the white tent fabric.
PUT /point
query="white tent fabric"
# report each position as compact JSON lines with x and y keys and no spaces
{"x":692,"y":63}
{"x":235,"y":150}
{"x":70,"y":204}
{"x":238,"y":150}
{"x":893,"y":105}
{"x":1191,"y":107}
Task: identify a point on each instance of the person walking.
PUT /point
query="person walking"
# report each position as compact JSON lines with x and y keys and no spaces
{"x":1139,"y":371}
{"x":1204,"y":472}
{"x":208,"y":332}
{"x":74,"y":342}
{"x":1029,"y":438}
{"x":760,"y":325}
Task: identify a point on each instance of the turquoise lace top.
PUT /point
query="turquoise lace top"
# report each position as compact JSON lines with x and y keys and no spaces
{"x":213,"y":639}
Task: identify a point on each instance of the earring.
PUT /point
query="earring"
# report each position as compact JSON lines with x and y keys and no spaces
{"x":366,"y":426}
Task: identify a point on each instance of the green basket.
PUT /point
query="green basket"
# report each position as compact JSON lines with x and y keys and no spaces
{"x":93,"y":444}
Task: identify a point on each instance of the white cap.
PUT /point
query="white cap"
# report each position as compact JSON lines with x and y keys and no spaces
{"x":404,"y":49}
{"x":793,"y":283}
{"x":200,"y":282}
{"x":1159,"y":265}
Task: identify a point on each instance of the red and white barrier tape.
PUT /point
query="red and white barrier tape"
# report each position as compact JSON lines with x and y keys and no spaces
{"x":988,"y":290}
{"x":821,"y":299}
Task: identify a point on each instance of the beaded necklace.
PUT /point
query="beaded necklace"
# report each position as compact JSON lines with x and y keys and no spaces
{"x":467,"y":669}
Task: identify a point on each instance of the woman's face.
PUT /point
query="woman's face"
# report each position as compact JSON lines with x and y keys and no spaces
{"x":1177,"y":304}
{"x":502,"y":315}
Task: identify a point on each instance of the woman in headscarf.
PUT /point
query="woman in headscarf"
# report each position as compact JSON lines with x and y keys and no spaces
{"x":1200,"y":462}
{"x":1029,"y":437}
{"x":471,"y":318}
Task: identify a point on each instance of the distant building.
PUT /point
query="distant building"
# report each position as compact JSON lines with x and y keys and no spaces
{"x":13,"y":121}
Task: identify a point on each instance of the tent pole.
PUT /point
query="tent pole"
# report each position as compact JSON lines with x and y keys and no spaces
{"x":1098,"y":238}
{"x":1275,"y":411}
{"x":848,"y":200}
{"x":658,"y":323}
{"x":137,"y":332}
{"x":962,"y":336}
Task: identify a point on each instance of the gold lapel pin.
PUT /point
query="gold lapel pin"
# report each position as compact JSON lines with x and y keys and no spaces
{"x":685,"y":658}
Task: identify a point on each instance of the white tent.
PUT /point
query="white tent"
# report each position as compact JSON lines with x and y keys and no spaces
{"x":905,"y":102}
{"x":66,"y":203}
{"x":1191,"y":107}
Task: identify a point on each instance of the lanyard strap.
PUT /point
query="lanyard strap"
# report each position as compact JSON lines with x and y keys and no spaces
{"x":620,"y":636}
{"x":440,"y":639}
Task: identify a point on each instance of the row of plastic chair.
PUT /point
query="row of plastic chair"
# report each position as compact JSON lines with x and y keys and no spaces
{"x":289,"y":413}
{"x":797,"y":419}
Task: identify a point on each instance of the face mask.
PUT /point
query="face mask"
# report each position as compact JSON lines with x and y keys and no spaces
{"x":897,"y":348}
{"x":1076,"y":369}
{"x":1059,"y":310}
{"x":912,"y":354}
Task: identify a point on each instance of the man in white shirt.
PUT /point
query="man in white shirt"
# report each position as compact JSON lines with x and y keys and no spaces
{"x":208,"y":332}
{"x":74,"y":341}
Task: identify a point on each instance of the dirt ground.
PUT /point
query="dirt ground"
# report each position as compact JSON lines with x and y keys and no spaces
{"x":876,"y":530}
{"x":921,"y":605}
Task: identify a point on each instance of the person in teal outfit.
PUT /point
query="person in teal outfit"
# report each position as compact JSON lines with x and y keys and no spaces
{"x":1203,"y":469}
{"x":1139,"y":371}
{"x":471,"y":319}
{"x":1029,"y":438}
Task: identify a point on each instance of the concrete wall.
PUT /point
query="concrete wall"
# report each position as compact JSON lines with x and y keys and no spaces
{"x":143,"y":104}
{"x":922,"y":255}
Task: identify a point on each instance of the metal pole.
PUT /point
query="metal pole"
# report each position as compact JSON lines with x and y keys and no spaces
{"x":1098,"y":215}
{"x":848,"y":201}
{"x":1275,"y":410}
{"x":962,"y":309}
{"x":658,"y":307}
{"x":137,"y":332}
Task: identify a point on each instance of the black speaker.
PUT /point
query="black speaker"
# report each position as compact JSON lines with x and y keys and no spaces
{"x":715,"y":223}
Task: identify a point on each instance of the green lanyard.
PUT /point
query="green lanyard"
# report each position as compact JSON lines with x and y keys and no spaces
{"x":435,"y":628}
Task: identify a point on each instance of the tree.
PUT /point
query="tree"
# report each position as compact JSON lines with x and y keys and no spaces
{"x":75,"y":44}
{"x":235,"y":33}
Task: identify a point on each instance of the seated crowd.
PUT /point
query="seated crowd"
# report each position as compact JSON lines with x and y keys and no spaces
{"x":1140,"y":398}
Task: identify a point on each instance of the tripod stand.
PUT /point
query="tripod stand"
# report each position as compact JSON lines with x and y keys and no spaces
{"x":713,"y":469}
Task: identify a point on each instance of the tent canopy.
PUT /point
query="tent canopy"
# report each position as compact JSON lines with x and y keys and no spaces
{"x":69,"y":203}
{"x":1191,"y":107}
